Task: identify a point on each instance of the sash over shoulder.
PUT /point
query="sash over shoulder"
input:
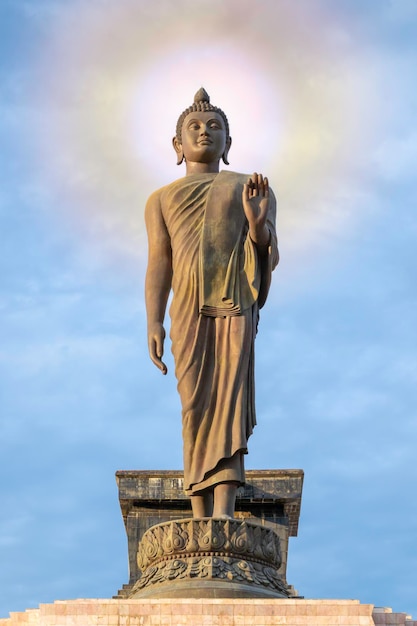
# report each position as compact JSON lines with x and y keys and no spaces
{"x":228,"y":263}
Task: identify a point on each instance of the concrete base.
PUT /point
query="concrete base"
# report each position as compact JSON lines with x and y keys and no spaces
{"x":198,"y":612}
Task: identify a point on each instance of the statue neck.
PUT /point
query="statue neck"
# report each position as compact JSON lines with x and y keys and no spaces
{"x":192,"y":167}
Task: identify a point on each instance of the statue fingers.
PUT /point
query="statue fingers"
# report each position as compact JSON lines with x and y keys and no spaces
{"x":159,"y":346}
{"x":255,"y":184}
{"x":263,"y":185}
{"x":266,"y":187}
{"x":246,"y":190}
{"x":156,"y":351}
{"x":249,"y":187}
{"x":162,"y":367}
{"x":156,"y":360}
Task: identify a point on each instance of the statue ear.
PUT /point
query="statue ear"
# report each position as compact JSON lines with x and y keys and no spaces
{"x":178,"y":149}
{"x":226,"y":150}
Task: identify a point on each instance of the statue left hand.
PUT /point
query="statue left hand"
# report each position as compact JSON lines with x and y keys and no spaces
{"x":255,"y":198}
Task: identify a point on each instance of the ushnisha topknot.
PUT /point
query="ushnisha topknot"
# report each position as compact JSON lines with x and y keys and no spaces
{"x":201,"y":103}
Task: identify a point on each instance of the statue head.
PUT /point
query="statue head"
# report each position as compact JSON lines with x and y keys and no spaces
{"x":201,"y":104}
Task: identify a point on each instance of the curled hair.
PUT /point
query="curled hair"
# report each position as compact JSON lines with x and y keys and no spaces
{"x":201,"y":103}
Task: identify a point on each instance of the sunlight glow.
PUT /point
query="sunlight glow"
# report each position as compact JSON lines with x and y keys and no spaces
{"x":115,"y":98}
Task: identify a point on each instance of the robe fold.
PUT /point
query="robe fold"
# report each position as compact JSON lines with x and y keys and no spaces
{"x":218,"y":284}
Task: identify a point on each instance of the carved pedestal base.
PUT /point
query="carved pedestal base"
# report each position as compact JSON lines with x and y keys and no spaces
{"x":210,"y":558}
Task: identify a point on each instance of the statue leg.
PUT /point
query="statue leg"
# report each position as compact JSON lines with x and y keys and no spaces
{"x":224,"y":499}
{"x":202,"y":504}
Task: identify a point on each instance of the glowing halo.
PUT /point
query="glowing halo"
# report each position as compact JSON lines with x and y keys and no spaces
{"x":234,"y":83}
{"x":111,"y":84}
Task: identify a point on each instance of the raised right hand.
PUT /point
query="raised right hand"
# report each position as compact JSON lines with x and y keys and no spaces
{"x":255,"y":199}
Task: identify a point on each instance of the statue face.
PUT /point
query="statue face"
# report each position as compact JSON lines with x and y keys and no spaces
{"x":203,"y":137}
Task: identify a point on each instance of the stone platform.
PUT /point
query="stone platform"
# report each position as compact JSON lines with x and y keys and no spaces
{"x":194,"y":612}
{"x":270,"y":498}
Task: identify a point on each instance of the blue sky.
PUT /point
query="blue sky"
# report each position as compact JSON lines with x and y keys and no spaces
{"x":320,"y":97}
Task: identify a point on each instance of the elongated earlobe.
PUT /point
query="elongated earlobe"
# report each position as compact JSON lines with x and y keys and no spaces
{"x":178,"y":150}
{"x":226,"y":150}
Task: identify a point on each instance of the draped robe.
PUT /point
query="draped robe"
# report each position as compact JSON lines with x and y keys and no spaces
{"x":218,"y":284}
